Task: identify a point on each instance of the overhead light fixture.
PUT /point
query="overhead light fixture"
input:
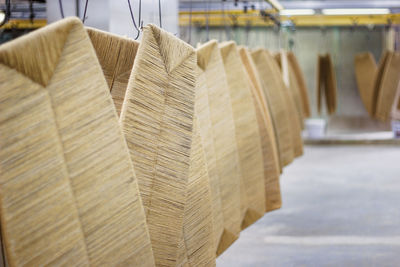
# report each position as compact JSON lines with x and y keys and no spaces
{"x":275,"y":4}
{"x":356,"y":11}
{"x":297,"y":12}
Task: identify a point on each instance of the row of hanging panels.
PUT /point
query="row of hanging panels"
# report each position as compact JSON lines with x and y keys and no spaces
{"x":151,"y":153}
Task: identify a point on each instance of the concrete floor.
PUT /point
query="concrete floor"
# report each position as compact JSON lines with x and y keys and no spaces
{"x":341,"y":207}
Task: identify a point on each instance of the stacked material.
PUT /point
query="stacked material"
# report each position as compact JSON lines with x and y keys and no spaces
{"x":326,"y":83}
{"x":378,"y":85}
{"x":147,"y":154}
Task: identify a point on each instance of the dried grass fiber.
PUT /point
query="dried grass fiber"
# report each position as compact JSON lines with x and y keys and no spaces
{"x":277,"y":103}
{"x":366,"y":70}
{"x":273,"y":199}
{"x":223,"y":131}
{"x":326,"y":84}
{"x":61,"y":143}
{"x":388,"y":87}
{"x":116,"y":56}
{"x":197,"y":247}
{"x":247,"y":134}
{"x":157,"y":119}
{"x":301,"y":83}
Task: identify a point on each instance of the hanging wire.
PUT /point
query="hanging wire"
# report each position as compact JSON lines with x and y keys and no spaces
{"x":159,"y":12}
{"x":31,"y":11}
{"x":84,"y":12}
{"x":7,"y":13}
{"x":190,"y":23}
{"x":61,"y":8}
{"x":207,"y":21}
{"x":133,"y":18}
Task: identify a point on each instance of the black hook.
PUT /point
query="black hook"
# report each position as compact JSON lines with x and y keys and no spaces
{"x":7,"y":13}
{"x":84,"y":12}
{"x":138,"y":29}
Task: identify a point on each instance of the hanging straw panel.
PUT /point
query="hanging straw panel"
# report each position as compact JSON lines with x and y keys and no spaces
{"x":326,"y":84}
{"x":366,"y":70}
{"x":157,"y":119}
{"x":198,"y":244}
{"x":267,"y":136}
{"x":202,"y":111}
{"x":223,"y":129}
{"x":68,"y":190}
{"x":276,"y":101}
{"x":116,"y":56}
{"x":378,"y":78}
{"x":295,"y":118}
{"x":294,"y":64}
{"x":247,"y":134}
{"x":388,"y":87}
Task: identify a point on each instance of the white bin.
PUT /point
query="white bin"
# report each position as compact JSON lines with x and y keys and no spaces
{"x":315,"y":128}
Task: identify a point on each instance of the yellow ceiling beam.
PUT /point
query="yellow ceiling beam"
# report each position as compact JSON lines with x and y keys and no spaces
{"x":24,"y":24}
{"x":254,"y":19}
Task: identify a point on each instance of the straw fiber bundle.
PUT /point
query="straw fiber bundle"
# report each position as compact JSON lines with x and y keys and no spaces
{"x":267,"y":136}
{"x":202,"y":111}
{"x":198,"y":244}
{"x":366,"y":70}
{"x":291,"y":83}
{"x":326,"y":83}
{"x":157,"y":119}
{"x":388,"y":87}
{"x":396,"y":105}
{"x":223,"y":129}
{"x":68,"y":190}
{"x":295,"y":117}
{"x":378,"y":78}
{"x":301,"y":83}
{"x":116,"y":56}
{"x":247,"y":134}
{"x":277,"y":103}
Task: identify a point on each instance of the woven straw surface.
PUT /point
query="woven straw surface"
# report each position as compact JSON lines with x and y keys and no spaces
{"x":157,"y":119}
{"x":295,"y":117}
{"x":116,"y":56}
{"x":366,"y":70}
{"x":276,"y":101}
{"x":326,"y":83}
{"x":198,"y":244}
{"x":68,"y":190}
{"x":388,"y":87}
{"x":301,"y":83}
{"x":202,"y":111}
{"x":291,"y":83}
{"x":223,"y":129}
{"x":247,"y":134}
{"x":378,"y":78}
{"x":396,"y":105}
{"x":267,"y":135}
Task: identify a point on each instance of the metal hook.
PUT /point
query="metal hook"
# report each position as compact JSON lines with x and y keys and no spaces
{"x":207,"y":21}
{"x":138,"y":29}
{"x":84,"y":12}
{"x":190,"y":23}
{"x":7,"y":13}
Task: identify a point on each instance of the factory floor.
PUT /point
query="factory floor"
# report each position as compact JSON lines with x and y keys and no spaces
{"x":341,"y":207}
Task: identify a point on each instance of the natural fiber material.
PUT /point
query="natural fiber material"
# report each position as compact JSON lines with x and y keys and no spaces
{"x":366,"y":70}
{"x":157,"y":119}
{"x":388,"y":87}
{"x":267,"y":135}
{"x":202,"y":111}
{"x":247,"y":134}
{"x":223,"y":129}
{"x":295,"y":116}
{"x":68,"y":190}
{"x":277,"y":103}
{"x":116,"y":56}
{"x":294,"y":64}
{"x":290,"y":81}
{"x":378,"y":78}
{"x":326,"y":83}
{"x":198,"y":244}
{"x":396,"y":105}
